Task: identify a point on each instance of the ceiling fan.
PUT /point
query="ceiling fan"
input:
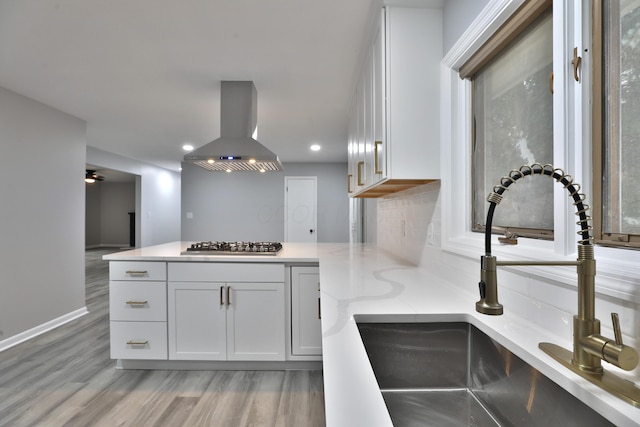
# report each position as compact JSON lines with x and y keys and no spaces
{"x":91,"y":176}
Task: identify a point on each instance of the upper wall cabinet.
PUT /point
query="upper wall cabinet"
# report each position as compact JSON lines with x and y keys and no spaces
{"x":394,"y":131}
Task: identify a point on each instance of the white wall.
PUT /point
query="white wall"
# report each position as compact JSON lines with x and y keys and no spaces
{"x":42,"y":202}
{"x":158,"y":196}
{"x":250,"y":206}
{"x":458,"y":14}
{"x":93,"y":216}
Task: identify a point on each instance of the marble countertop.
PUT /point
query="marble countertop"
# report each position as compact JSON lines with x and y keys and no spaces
{"x":366,"y":282}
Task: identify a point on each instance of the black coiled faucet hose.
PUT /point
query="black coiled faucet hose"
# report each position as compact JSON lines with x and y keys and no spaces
{"x":559,"y":176}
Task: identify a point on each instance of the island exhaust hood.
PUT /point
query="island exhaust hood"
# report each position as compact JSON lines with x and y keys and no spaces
{"x":236,"y":149}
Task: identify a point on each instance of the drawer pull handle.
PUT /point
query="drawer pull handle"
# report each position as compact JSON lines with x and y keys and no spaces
{"x":319,"y":315}
{"x":136,"y":302}
{"x":136,"y":272}
{"x":228,"y":295}
{"x":131,"y":342}
{"x":221,"y":299}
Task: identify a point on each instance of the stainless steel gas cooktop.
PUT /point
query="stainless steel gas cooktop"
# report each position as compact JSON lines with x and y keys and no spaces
{"x":233,"y":248}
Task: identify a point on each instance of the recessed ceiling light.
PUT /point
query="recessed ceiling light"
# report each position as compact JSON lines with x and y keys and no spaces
{"x":187,"y":147}
{"x":315,"y":147}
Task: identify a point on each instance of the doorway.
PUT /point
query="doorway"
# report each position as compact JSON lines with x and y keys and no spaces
{"x":300,"y":209}
{"x":110,"y":206}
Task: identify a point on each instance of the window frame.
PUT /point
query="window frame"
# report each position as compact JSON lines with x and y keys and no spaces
{"x":616,"y":240}
{"x":456,"y":133}
{"x":527,"y":14}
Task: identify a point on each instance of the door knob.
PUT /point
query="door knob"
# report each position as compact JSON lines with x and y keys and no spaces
{"x":311,"y":231}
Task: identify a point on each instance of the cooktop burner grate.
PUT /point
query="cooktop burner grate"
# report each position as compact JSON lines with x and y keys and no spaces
{"x":233,"y":248}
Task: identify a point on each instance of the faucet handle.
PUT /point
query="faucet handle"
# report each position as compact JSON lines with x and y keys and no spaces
{"x":617,"y":332}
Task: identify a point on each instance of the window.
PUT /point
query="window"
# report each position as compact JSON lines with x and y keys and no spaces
{"x":513,"y":122}
{"x":617,"y":133}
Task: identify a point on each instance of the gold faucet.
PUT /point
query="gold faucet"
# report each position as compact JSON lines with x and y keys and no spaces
{"x":589,"y":347}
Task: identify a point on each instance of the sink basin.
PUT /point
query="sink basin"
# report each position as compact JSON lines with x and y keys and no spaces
{"x":452,"y":374}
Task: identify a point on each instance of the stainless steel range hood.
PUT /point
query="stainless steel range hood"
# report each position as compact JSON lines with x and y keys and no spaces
{"x":236,"y":149}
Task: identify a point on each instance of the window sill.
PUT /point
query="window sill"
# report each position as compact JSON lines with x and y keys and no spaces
{"x":618,"y":270}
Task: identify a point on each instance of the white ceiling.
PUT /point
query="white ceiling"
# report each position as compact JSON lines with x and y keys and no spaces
{"x":145,"y":74}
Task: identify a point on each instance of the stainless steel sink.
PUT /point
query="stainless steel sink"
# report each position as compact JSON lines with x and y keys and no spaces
{"x":452,"y":374}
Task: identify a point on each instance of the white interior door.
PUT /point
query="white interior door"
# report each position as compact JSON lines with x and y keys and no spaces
{"x":300,"y":209}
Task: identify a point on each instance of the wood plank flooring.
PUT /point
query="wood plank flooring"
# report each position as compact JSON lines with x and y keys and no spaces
{"x":65,"y":378}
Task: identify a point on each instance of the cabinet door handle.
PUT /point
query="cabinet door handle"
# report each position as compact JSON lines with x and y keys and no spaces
{"x":132,"y":342}
{"x":228,"y":295}
{"x":221,"y":299}
{"x":360,"y":166}
{"x":136,"y":272}
{"x":319,"y":315}
{"x":377,"y":163}
{"x":349,"y":190}
{"x":136,"y":302}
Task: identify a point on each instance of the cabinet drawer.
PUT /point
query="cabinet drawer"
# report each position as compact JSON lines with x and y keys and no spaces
{"x":225,"y":272}
{"x":136,"y":270}
{"x":138,"y":301}
{"x":139,"y":340}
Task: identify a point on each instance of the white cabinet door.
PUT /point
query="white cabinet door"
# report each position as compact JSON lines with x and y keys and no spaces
{"x":367,"y":99}
{"x":379,"y":106}
{"x":226,"y":321}
{"x":255,"y":319}
{"x":197,"y":321}
{"x":352,"y":147}
{"x":306,"y":330}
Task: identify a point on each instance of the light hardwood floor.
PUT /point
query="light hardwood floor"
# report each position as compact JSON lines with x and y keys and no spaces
{"x":65,"y":378}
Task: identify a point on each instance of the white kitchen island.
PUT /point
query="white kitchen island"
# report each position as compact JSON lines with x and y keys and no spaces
{"x":361,"y":280}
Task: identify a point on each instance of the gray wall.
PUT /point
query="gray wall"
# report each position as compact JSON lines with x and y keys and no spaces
{"x":458,"y":15}
{"x":157,"y":196}
{"x":42,"y":202}
{"x":93,"y":216}
{"x":250,"y":206}
{"x":107,"y":214}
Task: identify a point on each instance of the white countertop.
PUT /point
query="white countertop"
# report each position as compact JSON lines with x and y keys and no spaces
{"x":360,"y":280}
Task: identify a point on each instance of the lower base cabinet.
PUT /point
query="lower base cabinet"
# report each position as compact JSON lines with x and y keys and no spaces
{"x":226,"y":321}
{"x":306,"y":329}
{"x":213,"y":311}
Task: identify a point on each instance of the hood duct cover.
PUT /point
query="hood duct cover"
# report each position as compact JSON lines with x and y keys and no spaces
{"x":236,"y":150}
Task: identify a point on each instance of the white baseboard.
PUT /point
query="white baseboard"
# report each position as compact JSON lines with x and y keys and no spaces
{"x":41,"y":329}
